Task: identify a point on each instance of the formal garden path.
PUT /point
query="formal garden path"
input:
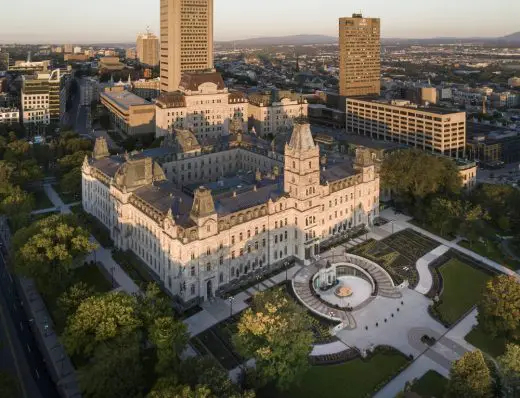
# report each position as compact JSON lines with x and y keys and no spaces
{"x":425,"y":275}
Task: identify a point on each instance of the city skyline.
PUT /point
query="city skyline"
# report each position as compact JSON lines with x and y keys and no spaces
{"x":84,"y":23}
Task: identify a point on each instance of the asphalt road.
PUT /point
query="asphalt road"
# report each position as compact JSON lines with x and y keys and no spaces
{"x":23,"y":355}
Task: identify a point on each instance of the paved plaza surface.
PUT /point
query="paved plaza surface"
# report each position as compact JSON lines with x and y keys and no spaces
{"x":361,"y":290}
{"x":397,"y":321}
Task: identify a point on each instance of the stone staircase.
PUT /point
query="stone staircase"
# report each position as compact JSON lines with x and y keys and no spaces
{"x":303,"y":291}
{"x":385,"y":286}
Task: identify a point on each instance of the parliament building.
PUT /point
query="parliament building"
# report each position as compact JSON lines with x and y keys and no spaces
{"x":203,"y":213}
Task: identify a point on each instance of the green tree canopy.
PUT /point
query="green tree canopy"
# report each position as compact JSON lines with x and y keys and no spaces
{"x":99,"y":319}
{"x":413,"y":175}
{"x":115,"y":370}
{"x":153,"y":304}
{"x":49,"y":249}
{"x":470,"y":377}
{"x":170,"y":338}
{"x":499,"y":308}
{"x":70,"y":162}
{"x":277,"y":333}
{"x":71,"y":299}
{"x":510,"y":367}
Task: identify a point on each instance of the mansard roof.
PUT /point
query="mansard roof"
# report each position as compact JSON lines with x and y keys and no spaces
{"x":192,"y":81}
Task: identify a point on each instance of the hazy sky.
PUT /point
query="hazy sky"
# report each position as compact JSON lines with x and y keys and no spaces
{"x":77,"y":21}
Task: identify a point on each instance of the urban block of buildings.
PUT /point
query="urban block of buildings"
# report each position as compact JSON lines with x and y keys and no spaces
{"x":434,"y":130}
{"x":274,"y":111}
{"x":197,"y":243}
{"x":130,"y":114}
{"x":41,"y":99}
{"x":202,"y":104}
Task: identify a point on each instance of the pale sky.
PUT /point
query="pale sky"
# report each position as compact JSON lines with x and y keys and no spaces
{"x":82,"y":21}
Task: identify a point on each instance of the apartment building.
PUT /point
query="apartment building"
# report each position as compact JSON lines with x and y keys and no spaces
{"x":41,"y":98}
{"x":432,"y":129}
{"x":9,"y":115}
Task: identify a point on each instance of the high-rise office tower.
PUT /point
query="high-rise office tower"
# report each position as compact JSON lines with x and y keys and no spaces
{"x":186,"y":39}
{"x":359,"y":56}
{"x":147,"y":49}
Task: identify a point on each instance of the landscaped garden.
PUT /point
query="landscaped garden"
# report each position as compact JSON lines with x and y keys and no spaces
{"x":493,"y":251}
{"x":431,"y":385}
{"x":462,"y":284}
{"x":398,"y":254}
{"x":67,"y":197}
{"x":358,"y":378}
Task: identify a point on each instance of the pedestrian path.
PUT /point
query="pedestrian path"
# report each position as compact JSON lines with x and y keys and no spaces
{"x":218,"y":310}
{"x":422,"y":265}
{"x":100,"y":255}
{"x":328,"y":349}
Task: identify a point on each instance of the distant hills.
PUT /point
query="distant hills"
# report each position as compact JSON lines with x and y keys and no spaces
{"x":295,"y":40}
{"x":300,"y":40}
{"x":514,"y":37}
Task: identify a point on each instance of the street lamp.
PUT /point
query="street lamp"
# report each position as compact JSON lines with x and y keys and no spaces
{"x":258,"y":279}
{"x":231,"y":299}
{"x":286,"y":269}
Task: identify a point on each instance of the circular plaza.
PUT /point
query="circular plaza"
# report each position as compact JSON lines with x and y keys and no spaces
{"x":337,"y":286}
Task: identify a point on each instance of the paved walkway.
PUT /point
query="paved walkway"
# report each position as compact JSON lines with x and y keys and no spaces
{"x":218,"y":309}
{"x":101,"y":255}
{"x":330,"y":348}
{"x":425,"y":276}
{"x":401,"y":222}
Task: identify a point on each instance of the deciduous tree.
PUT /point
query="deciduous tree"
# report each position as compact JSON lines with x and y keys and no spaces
{"x":470,"y":377}
{"x":73,"y":297}
{"x":170,"y":338}
{"x":277,"y":333}
{"x":49,"y":249}
{"x":499,"y":308}
{"x":99,"y":319}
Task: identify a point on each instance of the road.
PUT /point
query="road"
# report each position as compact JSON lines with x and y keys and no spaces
{"x":28,"y":363}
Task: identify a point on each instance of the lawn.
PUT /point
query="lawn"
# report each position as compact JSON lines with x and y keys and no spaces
{"x":431,"y":385}
{"x":67,"y":197}
{"x":483,"y":341}
{"x":354,"y":379}
{"x":463,"y":286}
{"x":492,"y":251}
{"x":41,"y":200}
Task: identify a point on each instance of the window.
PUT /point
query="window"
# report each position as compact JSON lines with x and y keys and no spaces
{"x":233,"y":239}
{"x":276,"y":239}
{"x":192,"y":289}
{"x":221,"y":277}
{"x":208,"y":251}
{"x":256,"y":231}
{"x":193,"y":271}
{"x":193,"y":256}
{"x":208,"y":267}
{"x":233,"y":255}
{"x":241,"y":236}
{"x":263,"y":243}
{"x":248,"y":233}
{"x":221,"y":260}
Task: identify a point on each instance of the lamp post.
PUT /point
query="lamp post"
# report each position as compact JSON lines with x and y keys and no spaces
{"x":258,"y":279}
{"x":231,"y":299}
{"x":286,"y":270}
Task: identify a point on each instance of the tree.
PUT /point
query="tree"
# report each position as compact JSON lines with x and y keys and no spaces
{"x":499,"y":308}
{"x":99,"y":319}
{"x":153,"y":304}
{"x":277,"y":333}
{"x":48,"y":251}
{"x":73,"y":297}
{"x":115,"y":370}
{"x":70,"y":162}
{"x":470,"y":377}
{"x":167,"y":388}
{"x":510,"y":366}
{"x":170,"y":338}
{"x":16,"y":203}
{"x":414,"y":175}
{"x":71,"y":182}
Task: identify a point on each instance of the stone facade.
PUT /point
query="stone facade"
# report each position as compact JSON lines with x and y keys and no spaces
{"x":198,"y":243}
{"x":274,"y":112}
{"x":202,"y":104}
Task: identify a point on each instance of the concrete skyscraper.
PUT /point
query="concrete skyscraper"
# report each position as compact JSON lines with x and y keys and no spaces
{"x":186,"y":39}
{"x":359,"y":56}
{"x":147,"y":49}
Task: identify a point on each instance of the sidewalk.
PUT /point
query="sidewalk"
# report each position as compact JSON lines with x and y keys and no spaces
{"x":219,"y":310}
